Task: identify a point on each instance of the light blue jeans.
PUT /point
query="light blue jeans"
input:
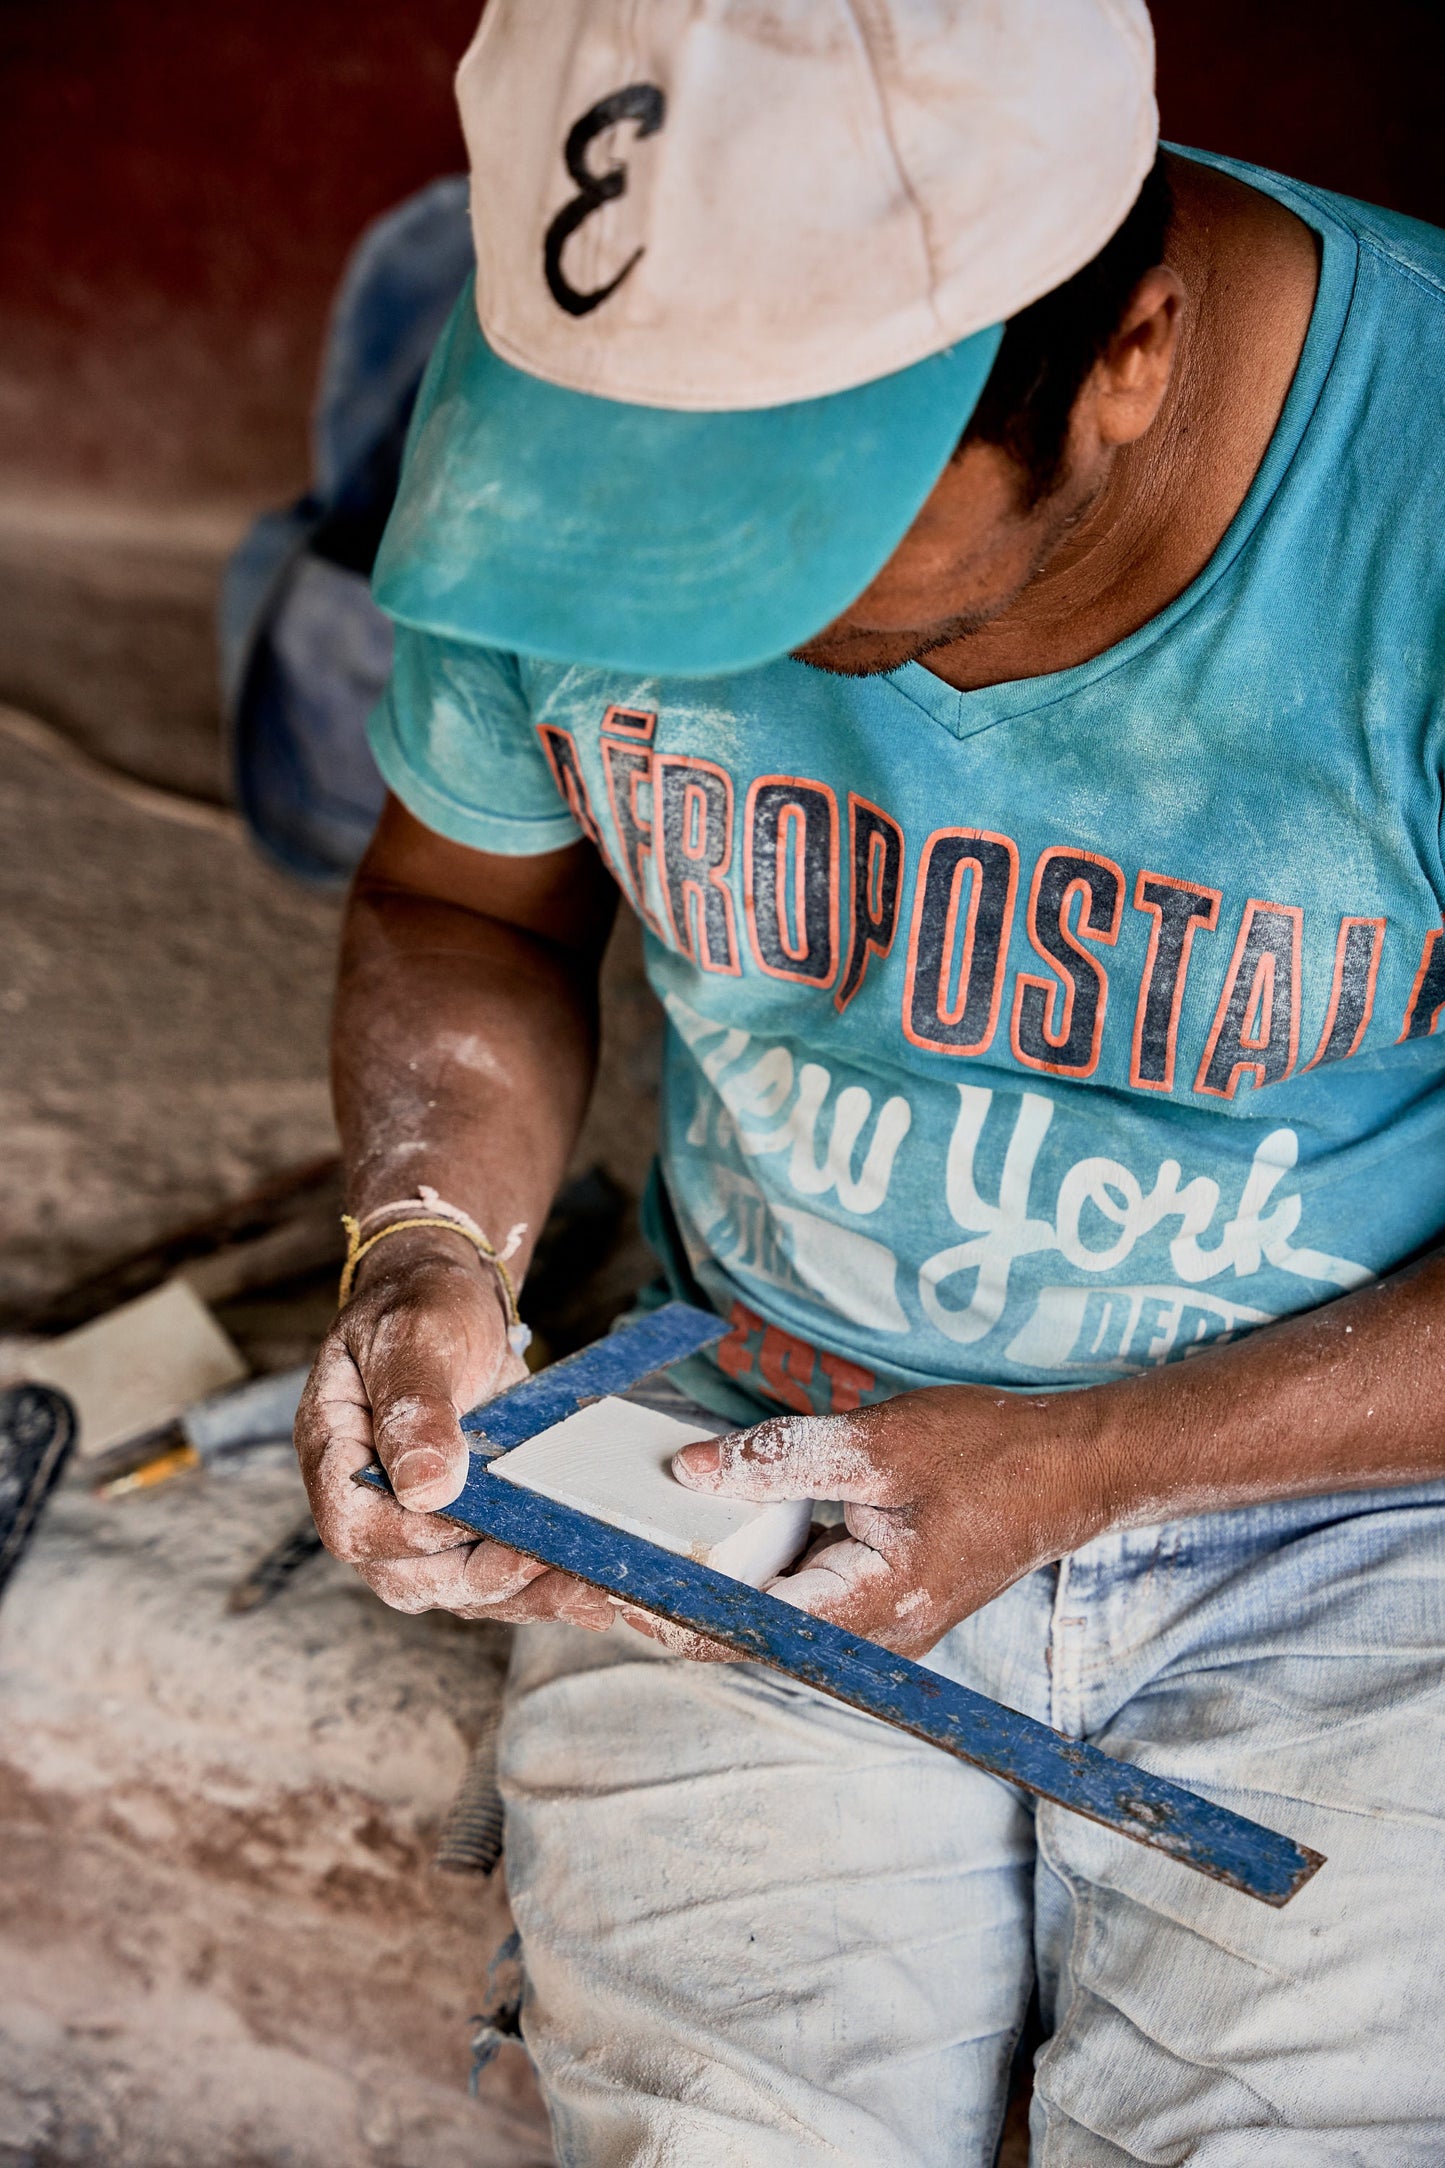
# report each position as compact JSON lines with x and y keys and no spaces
{"x":760,"y":1929}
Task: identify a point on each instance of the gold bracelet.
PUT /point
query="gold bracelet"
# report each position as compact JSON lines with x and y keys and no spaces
{"x":518,"y":1335}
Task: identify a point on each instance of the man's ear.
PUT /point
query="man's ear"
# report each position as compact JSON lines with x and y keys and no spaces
{"x":1127,"y":384}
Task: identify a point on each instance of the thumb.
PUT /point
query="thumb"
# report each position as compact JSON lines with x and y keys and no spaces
{"x":408,"y":1371}
{"x":793,"y":1456}
{"x":418,"y":1440}
{"x":422,"y":1360}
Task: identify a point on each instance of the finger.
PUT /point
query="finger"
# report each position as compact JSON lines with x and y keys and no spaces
{"x":677,"y":1640}
{"x":477,"y":1578}
{"x":793,"y":1456}
{"x":489,"y":1582}
{"x":333,"y":1441}
{"x":852,"y":1585}
{"x":845,"y":1582}
{"x":334,"y":1413}
{"x":821,"y":1537}
{"x":495,"y":1577}
{"x":421,"y":1365}
{"x":414,"y":1420}
{"x":576,"y":1602}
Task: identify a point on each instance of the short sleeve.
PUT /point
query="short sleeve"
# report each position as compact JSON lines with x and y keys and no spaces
{"x":453,"y":738}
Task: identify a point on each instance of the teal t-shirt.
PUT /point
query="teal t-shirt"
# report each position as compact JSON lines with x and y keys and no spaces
{"x":1036,"y":1035}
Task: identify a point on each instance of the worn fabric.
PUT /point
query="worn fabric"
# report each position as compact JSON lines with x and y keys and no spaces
{"x":760,"y":1930}
{"x":1035,"y":1035}
{"x":799,"y":203}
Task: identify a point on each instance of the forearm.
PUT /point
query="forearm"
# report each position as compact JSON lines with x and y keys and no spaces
{"x":1346,"y":1397}
{"x":463,"y":1052}
{"x":463,"y":1055}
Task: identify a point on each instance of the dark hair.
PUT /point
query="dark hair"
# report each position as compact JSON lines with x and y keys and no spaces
{"x":1049,"y":348}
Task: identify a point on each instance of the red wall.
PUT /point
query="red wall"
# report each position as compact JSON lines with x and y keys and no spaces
{"x":1347,"y":95}
{"x":188,"y":177}
{"x":183,"y":180}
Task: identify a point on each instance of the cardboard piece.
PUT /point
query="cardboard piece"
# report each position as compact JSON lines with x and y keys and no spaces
{"x":138,"y":1368}
{"x":611,"y":1460}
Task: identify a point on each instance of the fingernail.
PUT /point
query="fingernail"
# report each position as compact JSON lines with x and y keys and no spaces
{"x":695,"y":1460}
{"x":416,"y":1469}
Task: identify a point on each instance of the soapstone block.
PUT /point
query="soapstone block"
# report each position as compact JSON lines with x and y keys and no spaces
{"x":138,"y":1367}
{"x":611,"y":1460}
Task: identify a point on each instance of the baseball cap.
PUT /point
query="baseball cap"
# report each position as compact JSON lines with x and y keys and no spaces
{"x":742,"y":271}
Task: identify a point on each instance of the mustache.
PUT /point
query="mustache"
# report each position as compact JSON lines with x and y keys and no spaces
{"x":878,"y":654}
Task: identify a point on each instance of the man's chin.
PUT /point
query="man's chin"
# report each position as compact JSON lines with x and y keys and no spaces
{"x":845,"y":652}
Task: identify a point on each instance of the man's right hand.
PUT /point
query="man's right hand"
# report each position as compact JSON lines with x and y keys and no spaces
{"x":421,"y":1341}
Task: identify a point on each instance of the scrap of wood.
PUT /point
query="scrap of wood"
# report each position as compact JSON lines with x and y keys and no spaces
{"x":139,"y":1367}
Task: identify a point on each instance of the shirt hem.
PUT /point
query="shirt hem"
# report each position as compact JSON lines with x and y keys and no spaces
{"x":508,"y":835}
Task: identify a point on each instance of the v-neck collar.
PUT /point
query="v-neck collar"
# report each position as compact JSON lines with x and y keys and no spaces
{"x":963,"y":714}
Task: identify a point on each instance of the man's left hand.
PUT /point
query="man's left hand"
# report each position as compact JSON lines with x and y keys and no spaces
{"x":950,"y":1495}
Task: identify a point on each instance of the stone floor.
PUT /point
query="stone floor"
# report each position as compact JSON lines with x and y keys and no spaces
{"x":220,"y":1939}
{"x":221,"y":1943}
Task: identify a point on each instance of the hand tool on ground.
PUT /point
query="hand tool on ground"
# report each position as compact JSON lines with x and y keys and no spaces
{"x":1123,"y":1797}
{"x":276,"y":1568}
{"x":260,"y":1412}
{"x":37,"y":1431}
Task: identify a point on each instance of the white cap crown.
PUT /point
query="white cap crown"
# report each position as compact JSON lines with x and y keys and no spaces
{"x":714,"y":204}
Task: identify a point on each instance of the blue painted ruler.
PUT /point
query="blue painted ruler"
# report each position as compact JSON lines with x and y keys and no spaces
{"x":1073,"y":1774}
{"x":608,"y":1366}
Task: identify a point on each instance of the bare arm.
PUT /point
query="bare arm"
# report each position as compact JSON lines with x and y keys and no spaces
{"x":464,"y":1047}
{"x":955,"y":1492}
{"x":465,"y":1026}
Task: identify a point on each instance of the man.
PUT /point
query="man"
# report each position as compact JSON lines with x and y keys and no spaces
{"x":1024,"y":749}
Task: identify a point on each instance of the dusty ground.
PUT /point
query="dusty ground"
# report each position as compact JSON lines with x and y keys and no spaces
{"x":220,"y":1940}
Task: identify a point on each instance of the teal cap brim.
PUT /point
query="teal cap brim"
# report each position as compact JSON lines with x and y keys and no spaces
{"x":577,"y":529}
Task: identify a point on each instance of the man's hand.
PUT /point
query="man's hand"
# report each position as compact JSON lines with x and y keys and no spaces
{"x":950,"y":1496}
{"x":423,"y":1340}
{"x":954,"y":1493}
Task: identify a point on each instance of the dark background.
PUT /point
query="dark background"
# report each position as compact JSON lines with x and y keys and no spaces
{"x":182,"y":181}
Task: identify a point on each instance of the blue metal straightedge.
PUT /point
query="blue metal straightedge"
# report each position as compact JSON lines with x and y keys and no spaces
{"x":1073,"y":1774}
{"x":608,"y":1366}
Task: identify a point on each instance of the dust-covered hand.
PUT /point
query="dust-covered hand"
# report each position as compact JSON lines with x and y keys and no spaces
{"x":949,"y":1494}
{"x":423,"y":1340}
